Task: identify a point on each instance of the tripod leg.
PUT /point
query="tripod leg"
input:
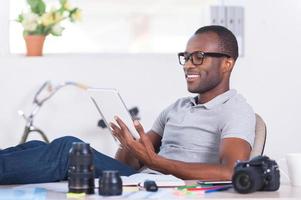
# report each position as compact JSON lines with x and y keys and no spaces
{"x":43,"y":135}
{"x":28,"y":130}
{"x":25,"y":135}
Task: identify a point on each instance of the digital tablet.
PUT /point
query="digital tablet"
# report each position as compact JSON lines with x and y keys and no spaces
{"x":110,"y":104}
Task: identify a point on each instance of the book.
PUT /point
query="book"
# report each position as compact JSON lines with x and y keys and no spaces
{"x":160,"y":179}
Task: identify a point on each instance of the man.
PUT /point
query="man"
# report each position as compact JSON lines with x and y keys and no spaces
{"x":201,"y":137}
{"x":197,"y":137}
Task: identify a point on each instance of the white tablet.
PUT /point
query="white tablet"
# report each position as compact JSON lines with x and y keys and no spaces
{"x":110,"y":104}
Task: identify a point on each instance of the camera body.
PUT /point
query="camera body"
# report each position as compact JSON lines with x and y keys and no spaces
{"x":258,"y":174}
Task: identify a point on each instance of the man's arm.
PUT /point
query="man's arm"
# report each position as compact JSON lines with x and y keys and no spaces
{"x":231,"y":150}
{"x":125,"y":156}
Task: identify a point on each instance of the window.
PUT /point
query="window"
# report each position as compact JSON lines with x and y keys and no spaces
{"x":143,"y":26}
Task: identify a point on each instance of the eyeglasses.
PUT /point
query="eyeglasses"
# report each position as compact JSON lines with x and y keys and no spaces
{"x":197,"y":57}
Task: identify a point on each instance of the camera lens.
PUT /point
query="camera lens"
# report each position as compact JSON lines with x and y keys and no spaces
{"x":244,"y":181}
{"x":247,"y":180}
{"x":110,"y":183}
{"x":81,"y":169}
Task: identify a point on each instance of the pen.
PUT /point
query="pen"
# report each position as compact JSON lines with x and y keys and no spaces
{"x":218,"y":189}
{"x":203,"y":188}
{"x":187,"y":186}
{"x":193,"y":190}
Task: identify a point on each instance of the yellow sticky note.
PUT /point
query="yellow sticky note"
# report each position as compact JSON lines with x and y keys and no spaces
{"x":76,"y":195}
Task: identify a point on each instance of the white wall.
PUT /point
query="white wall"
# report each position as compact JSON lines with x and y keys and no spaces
{"x":268,"y":76}
{"x":148,"y":81}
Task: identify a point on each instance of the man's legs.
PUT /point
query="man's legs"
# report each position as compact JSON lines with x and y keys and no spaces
{"x":103,"y":162}
{"x":48,"y":163}
{"x":20,"y":147}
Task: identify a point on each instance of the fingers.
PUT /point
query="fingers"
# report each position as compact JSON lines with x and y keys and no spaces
{"x":142,"y":149}
{"x":121,"y":124}
{"x":115,"y":131}
{"x":114,"y":127}
{"x":124,"y":129}
{"x":139,"y":128}
{"x":121,"y":131}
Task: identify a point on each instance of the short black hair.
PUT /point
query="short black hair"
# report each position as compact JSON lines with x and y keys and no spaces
{"x":227,"y":39}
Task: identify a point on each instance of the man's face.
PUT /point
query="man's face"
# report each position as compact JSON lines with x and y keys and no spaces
{"x":207,"y":76}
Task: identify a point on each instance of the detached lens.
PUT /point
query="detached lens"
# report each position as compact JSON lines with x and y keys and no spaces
{"x":110,"y":183}
{"x":81,"y":169}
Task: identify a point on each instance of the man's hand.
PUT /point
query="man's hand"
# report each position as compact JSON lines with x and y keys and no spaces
{"x":231,"y":149}
{"x":142,"y":149}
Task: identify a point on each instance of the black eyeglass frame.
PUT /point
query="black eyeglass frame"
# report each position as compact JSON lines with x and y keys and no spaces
{"x":188,"y":56}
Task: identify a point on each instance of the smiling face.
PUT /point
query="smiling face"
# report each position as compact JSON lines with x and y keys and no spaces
{"x":210,"y":75}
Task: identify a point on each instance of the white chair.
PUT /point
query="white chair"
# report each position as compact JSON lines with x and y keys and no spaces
{"x":260,"y":137}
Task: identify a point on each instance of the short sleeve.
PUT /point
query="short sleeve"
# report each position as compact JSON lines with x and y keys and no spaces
{"x":240,"y":123}
{"x":160,"y":122}
{"x":167,"y":114}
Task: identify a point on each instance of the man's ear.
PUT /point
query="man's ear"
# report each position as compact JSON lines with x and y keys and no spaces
{"x":228,"y":64}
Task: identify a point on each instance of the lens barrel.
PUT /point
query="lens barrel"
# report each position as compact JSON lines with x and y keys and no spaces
{"x":247,"y":180}
{"x":81,"y":169}
{"x":110,"y":183}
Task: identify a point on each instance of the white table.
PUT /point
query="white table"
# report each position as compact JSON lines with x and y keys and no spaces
{"x":58,"y":191}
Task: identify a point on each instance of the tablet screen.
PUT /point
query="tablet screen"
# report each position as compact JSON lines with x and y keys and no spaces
{"x":110,"y":104}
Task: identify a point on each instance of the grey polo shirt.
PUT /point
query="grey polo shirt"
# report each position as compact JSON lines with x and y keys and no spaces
{"x":192,"y":132}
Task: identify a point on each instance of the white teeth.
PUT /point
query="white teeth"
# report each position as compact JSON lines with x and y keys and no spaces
{"x":192,"y":76}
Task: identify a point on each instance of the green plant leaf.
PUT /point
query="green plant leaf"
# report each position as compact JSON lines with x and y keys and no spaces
{"x":20,"y":18}
{"x":63,"y":1}
{"x":40,"y":30}
{"x":61,"y":10}
{"x":54,"y":34}
{"x":47,"y":30}
{"x":37,"y":6}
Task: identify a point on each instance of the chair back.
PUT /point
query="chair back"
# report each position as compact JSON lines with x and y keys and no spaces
{"x":260,"y":137}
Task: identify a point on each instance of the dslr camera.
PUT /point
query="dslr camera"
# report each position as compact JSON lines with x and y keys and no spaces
{"x":258,"y":174}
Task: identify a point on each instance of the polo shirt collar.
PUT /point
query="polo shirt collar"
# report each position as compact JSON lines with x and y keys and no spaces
{"x":218,"y":100}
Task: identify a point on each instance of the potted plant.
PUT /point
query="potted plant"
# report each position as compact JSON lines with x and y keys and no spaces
{"x":39,"y":22}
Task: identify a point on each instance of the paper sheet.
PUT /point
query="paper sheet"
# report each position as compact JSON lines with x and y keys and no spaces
{"x":161,"y":180}
{"x":22,"y":194}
